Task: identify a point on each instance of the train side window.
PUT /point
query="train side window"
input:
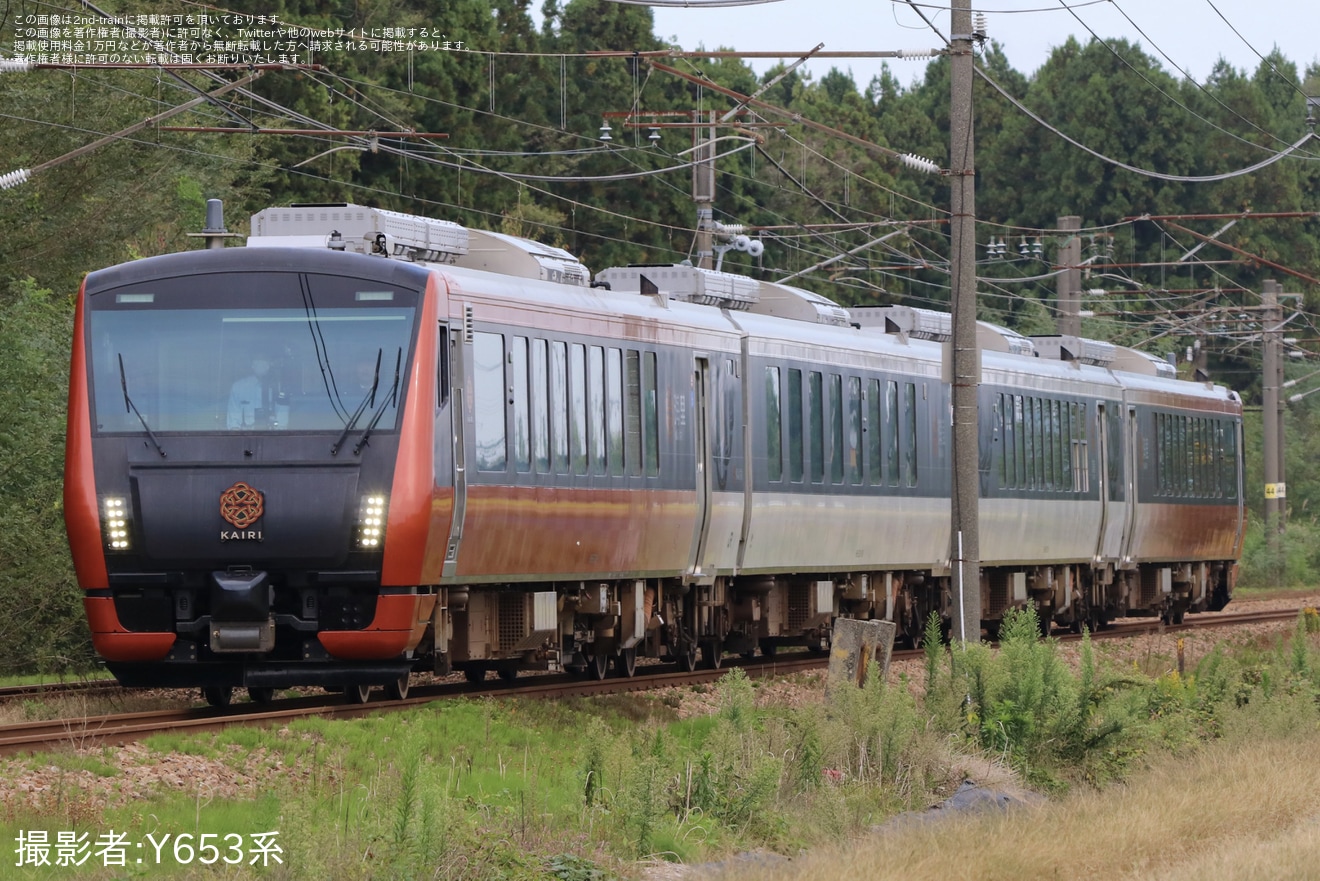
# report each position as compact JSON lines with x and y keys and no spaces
{"x":854,"y":430}
{"x":816,"y":424}
{"x":728,"y":420}
{"x":559,"y":406}
{"x":1230,"y":464}
{"x":488,"y":401}
{"x":518,"y":401}
{"x":1062,"y":464}
{"x":596,"y":408}
{"x":1192,"y":455}
{"x":774,"y":453}
{"x":650,"y":414}
{"x":614,"y":410}
{"x":910,"y":433}
{"x":1159,"y":454}
{"x":1020,"y":442}
{"x":577,"y":406}
{"x":891,"y":432}
{"x":795,"y":437}
{"x":632,"y":411}
{"x":540,"y":408}
{"x":875,"y":474}
{"x":836,"y":428}
{"x":998,"y":441}
{"x":1029,"y":426}
{"x":1114,"y":425}
{"x":442,"y":368}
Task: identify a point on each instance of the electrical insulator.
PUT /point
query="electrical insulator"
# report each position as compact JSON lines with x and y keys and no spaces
{"x":912,"y":160}
{"x":14,"y":178}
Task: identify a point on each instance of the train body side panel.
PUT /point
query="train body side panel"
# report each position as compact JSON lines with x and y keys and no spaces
{"x":419,"y":516}
{"x":82,"y":516}
{"x":798,"y":532}
{"x":1015,"y":532}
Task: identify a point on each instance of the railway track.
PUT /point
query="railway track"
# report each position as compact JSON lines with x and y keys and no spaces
{"x":126,"y":727}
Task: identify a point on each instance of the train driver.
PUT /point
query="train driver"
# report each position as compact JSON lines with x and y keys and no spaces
{"x":254,"y":401}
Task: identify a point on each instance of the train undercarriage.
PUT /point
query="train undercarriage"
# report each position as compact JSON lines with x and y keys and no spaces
{"x":594,"y":627}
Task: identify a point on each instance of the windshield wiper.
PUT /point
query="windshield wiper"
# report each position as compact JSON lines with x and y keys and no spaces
{"x":357,"y":414}
{"x":380,"y":411}
{"x":130,"y":407}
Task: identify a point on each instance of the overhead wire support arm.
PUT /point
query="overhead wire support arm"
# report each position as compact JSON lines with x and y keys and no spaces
{"x":906,"y":158}
{"x":1259,"y":259}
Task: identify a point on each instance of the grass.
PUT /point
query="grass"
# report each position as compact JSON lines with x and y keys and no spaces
{"x":585,"y":789}
{"x":1235,"y":810}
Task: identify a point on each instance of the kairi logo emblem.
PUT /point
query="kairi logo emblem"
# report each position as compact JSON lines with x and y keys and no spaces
{"x":241,"y":506}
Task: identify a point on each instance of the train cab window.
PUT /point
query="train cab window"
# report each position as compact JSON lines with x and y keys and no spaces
{"x":519,"y":405}
{"x":650,"y":414}
{"x":854,"y":430}
{"x":774,"y":453}
{"x":614,"y":410}
{"x":488,"y":400}
{"x":182,"y":347}
{"x":559,"y":406}
{"x":540,"y":407}
{"x":910,"y":433}
{"x":632,"y":411}
{"x":577,"y":406}
{"x":816,"y":424}
{"x":795,"y":436}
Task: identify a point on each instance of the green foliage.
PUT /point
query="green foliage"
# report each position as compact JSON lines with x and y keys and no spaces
{"x":42,"y":626}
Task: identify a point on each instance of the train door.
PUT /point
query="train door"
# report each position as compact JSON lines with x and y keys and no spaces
{"x":701,"y":377}
{"x":1130,"y":440}
{"x":457,"y":345}
{"x":1112,"y":522}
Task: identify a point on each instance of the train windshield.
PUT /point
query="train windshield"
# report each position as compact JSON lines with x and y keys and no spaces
{"x":250,"y":352}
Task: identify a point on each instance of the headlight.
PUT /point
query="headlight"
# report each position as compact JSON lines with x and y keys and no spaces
{"x":371,"y":522}
{"x":114,"y":523}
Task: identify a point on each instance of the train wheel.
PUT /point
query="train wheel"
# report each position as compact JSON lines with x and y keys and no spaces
{"x":687,"y":656}
{"x":218,"y":695}
{"x":260,"y":695}
{"x":357,"y":694}
{"x":397,"y":689}
{"x":768,"y":650}
{"x":598,"y":665}
{"x":626,"y":662}
{"x":475,"y":675}
{"x":712,"y":655}
{"x":1045,"y":620}
{"x":508,"y":674}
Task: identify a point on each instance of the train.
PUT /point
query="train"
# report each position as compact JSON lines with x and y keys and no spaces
{"x":368,"y":444}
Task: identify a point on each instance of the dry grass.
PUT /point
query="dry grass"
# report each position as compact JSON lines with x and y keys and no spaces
{"x":1228,"y":813}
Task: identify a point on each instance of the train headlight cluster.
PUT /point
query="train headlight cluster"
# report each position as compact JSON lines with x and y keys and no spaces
{"x":371,"y":521}
{"x":114,"y":523}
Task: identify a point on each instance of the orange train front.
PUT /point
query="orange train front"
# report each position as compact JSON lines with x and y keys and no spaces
{"x":370,"y":443}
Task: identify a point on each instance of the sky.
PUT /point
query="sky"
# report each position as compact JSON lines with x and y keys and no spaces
{"x":1190,"y":32}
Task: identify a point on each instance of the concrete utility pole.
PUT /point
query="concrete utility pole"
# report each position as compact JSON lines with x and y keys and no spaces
{"x":965,"y":552}
{"x":703,"y":193}
{"x":1270,"y":415}
{"x":1069,"y":287}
